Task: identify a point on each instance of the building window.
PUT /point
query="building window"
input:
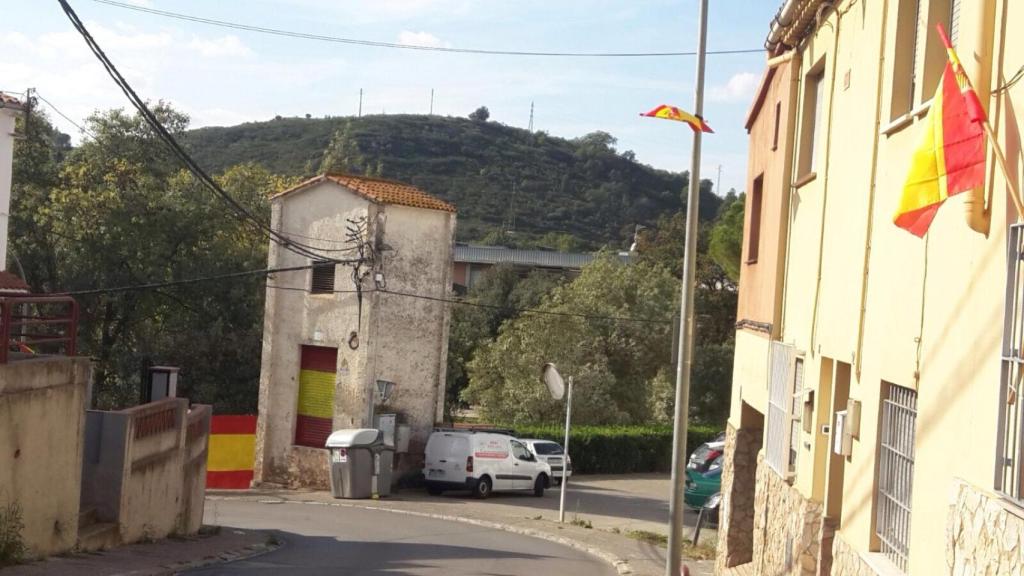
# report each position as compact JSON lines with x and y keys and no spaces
{"x":778,"y":119}
{"x":894,"y":488}
{"x":1010,"y":438}
{"x":754,"y":232}
{"x":779,"y":428}
{"x":919,"y":56}
{"x":322,"y":278}
{"x":811,"y":118}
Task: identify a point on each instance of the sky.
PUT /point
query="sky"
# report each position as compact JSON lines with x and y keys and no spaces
{"x":222,"y":76}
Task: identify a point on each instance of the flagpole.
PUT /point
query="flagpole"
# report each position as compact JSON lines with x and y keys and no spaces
{"x":1001,"y":159}
{"x":685,"y":359}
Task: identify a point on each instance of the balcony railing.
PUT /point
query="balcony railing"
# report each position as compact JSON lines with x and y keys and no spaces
{"x":31,"y":325}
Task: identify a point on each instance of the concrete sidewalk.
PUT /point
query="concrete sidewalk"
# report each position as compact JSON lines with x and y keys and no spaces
{"x":164,"y":557}
{"x":604,"y":534}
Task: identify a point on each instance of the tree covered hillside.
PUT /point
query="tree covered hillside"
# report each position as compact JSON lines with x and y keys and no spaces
{"x":549,"y":191}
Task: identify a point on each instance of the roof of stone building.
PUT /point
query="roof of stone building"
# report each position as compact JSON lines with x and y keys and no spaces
{"x":8,"y":101}
{"x":12,"y":284}
{"x":378,"y":190}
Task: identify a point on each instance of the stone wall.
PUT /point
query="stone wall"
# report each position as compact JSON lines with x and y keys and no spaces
{"x":984,"y":533}
{"x":787,"y":527}
{"x":739,"y":478}
{"x":848,"y":562}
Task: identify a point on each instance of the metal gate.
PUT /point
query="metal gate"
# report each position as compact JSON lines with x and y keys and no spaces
{"x":896,"y":472}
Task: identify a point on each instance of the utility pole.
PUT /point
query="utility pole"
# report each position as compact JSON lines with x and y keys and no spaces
{"x":531,"y":118}
{"x":431,"y":101}
{"x":718,"y":185}
{"x":673,"y":561}
{"x":360,"y":103}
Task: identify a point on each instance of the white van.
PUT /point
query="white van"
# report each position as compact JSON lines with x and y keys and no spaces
{"x":482,"y":462}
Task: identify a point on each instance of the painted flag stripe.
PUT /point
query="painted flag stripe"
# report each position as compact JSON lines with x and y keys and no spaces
{"x":316,"y":393}
{"x":232,"y":424}
{"x":228,"y":452}
{"x":312,"y":431}
{"x":229,"y":480}
{"x":319,"y":358}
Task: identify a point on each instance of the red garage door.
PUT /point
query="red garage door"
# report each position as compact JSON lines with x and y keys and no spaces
{"x":317,"y":374}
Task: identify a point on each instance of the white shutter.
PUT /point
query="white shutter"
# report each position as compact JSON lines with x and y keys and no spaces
{"x":779,"y":400}
{"x":954,"y":21}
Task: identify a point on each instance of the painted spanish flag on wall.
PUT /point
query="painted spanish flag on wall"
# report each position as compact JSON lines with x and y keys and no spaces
{"x":951,"y":159}
{"x":315,"y":412}
{"x":232,"y":452}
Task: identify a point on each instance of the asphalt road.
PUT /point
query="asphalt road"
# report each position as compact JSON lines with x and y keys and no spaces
{"x":353,"y":541}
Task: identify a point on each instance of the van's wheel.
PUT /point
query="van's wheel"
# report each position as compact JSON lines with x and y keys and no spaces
{"x":539,"y":484}
{"x":483,"y":488}
{"x":434,"y":490}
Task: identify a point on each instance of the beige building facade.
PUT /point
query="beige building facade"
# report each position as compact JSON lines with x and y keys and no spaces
{"x":874,"y":426}
{"x":332,"y":333}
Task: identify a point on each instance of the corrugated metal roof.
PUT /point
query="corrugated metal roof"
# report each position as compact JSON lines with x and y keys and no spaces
{"x":539,"y":258}
{"x":378,"y":190}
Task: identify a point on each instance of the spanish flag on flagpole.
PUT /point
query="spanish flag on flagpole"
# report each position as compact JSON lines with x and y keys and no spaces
{"x":951,"y":159}
{"x":667,"y":112}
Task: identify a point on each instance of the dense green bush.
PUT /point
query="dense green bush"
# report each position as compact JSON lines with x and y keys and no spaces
{"x":619,"y":449}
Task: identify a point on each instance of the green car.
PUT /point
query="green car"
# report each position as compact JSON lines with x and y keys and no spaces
{"x":702,"y":485}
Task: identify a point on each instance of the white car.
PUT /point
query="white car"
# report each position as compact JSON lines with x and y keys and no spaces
{"x":482,"y":462}
{"x":554,"y":455}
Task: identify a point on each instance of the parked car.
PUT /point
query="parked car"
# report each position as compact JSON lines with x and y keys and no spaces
{"x":482,"y":462}
{"x":703,"y":485}
{"x":706,"y":453}
{"x":553,"y":454}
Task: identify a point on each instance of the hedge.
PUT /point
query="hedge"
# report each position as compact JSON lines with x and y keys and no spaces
{"x":619,"y":449}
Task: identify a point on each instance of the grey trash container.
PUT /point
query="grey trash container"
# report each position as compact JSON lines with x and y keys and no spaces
{"x":352,"y":461}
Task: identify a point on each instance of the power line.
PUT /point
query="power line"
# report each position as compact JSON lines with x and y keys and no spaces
{"x":270,"y":271}
{"x":240,"y":211}
{"x":81,"y":128}
{"x":358,"y":42}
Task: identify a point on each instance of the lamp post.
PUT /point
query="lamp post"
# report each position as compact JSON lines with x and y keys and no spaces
{"x":556,"y":386}
{"x":673,"y":561}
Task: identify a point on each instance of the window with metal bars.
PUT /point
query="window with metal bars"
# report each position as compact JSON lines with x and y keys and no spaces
{"x":894,"y":488}
{"x":322,"y":278}
{"x":1010,"y":437}
{"x":954,"y":22}
{"x":796,"y":413}
{"x":778,"y":427}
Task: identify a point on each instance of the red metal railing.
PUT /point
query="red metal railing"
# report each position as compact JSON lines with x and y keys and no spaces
{"x":31,"y":322}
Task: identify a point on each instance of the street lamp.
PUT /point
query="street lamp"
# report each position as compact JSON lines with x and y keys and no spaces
{"x":556,"y":386}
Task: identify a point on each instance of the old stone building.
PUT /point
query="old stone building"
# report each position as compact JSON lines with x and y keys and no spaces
{"x":369,"y":315}
{"x":876,"y":425}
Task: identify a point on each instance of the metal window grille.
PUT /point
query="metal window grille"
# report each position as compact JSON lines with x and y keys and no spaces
{"x":920,"y":37}
{"x":954,"y":21}
{"x":779,"y":400}
{"x":322,"y":278}
{"x":896,"y":472}
{"x":795,"y":413}
{"x":1009,"y":444}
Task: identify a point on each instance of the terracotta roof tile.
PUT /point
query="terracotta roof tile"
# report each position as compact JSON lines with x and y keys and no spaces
{"x":12,"y":284}
{"x":379,"y":190}
{"x":8,"y":101}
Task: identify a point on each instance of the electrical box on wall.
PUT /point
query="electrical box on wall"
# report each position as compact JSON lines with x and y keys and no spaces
{"x":842,"y":442}
{"x":853,"y":417}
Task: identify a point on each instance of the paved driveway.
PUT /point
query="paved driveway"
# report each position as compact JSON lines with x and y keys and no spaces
{"x":355,"y":541}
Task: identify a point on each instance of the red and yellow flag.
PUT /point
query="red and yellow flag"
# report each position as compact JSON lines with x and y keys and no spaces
{"x":951,"y":159}
{"x":672,"y":113}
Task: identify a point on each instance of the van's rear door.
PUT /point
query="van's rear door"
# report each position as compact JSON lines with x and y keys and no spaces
{"x":445,"y":458}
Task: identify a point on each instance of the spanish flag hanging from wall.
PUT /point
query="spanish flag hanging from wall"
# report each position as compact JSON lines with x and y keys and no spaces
{"x":951,"y":159}
{"x":666,"y":112}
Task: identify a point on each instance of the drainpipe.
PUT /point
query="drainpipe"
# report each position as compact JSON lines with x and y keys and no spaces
{"x":859,"y":354}
{"x":792,"y":113}
{"x":824,"y":184}
{"x":978,"y":217}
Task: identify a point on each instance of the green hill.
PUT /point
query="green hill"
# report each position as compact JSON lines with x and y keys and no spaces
{"x":553,"y":192}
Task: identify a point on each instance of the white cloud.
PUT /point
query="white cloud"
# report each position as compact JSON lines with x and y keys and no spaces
{"x":217,"y":47}
{"x":739,"y":88}
{"x":421,"y":39}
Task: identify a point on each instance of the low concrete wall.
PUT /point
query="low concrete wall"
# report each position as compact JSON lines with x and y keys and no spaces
{"x":42,"y":410}
{"x":147,"y":468}
{"x":984,"y":533}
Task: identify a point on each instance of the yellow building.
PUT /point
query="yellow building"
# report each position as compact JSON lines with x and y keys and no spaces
{"x":875,"y":424}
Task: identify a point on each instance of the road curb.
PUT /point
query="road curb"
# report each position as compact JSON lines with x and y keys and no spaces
{"x":620,"y":565}
{"x":231,"y":556}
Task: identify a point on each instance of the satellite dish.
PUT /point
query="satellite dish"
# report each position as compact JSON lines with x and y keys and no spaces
{"x":553,"y":380}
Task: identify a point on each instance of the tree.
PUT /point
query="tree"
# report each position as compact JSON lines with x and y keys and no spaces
{"x":481,"y":114}
{"x":613,"y":360}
